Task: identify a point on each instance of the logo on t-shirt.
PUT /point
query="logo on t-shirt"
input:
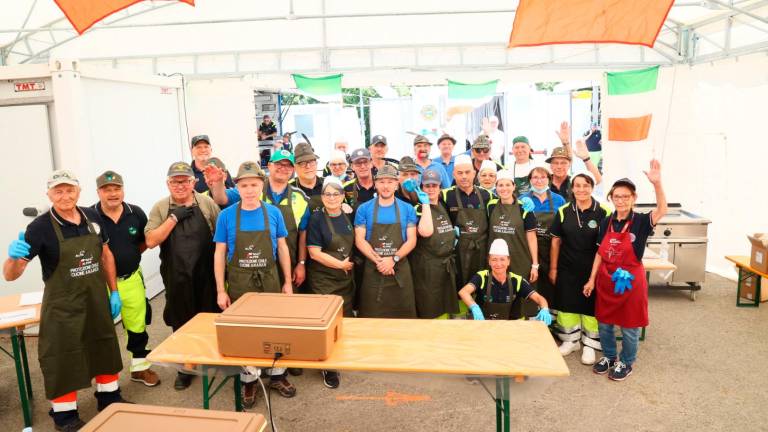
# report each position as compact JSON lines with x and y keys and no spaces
{"x":132,"y":231}
{"x":592,"y":224}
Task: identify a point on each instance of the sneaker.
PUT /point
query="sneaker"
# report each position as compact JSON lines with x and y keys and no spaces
{"x":296,"y":371}
{"x":250,"y":390}
{"x":569,"y":347}
{"x":183,"y":381}
{"x":331,"y":379}
{"x":286,"y":389}
{"x":148,"y":377}
{"x":72,"y":426}
{"x":588,"y":355}
{"x":603,"y":365}
{"x":620,"y":372}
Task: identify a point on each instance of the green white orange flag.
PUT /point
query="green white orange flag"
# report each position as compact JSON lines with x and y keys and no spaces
{"x":465,"y":97}
{"x":629,"y":103}
{"x":324,"y":89}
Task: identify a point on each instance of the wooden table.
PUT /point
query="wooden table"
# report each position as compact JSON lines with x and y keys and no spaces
{"x":746,"y":273}
{"x":19,"y":350}
{"x":520,"y":349}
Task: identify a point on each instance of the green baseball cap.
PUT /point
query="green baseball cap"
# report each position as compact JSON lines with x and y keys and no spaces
{"x":520,"y":138}
{"x":180,"y":169}
{"x":109,"y":178}
{"x":249,"y":169}
{"x":282,"y":155}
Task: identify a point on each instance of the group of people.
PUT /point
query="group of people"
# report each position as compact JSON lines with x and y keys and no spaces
{"x":459,"y":236}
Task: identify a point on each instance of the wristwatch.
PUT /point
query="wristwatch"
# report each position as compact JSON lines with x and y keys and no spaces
{"x":396,"y":259}
{"x":586,"y":159}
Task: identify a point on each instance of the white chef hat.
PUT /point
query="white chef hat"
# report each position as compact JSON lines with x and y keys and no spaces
{"x":462,"y":159}
{"x":499,"y":247}
{"x":488,"y":164}
{"x":338,"y":156}
{"x":504,"y":174}
{"x":333,"y":182}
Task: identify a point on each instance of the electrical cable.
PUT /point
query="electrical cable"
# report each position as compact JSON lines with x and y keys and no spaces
{"x":269,"y":394}
{"x":183,"y":99}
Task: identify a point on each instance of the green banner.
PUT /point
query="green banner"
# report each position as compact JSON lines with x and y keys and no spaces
{"x":631,"y":82}
{"x":457,"y":90}
{"x":321,"y":88}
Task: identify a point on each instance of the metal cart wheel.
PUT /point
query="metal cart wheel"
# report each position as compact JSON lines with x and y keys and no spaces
{"x":693,"y":295}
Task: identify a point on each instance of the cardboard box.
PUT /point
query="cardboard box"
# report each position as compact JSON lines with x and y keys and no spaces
{"x":120,"y":417}
{"x":748,"y":288}
{"x":300,"y":326}
{"x":758,"y":258}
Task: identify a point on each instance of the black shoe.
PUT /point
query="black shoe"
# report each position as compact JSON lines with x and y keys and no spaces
{"x":67,"y":421}
{"x":183,"y":381}
{"x":620,"y":372}
{"x":105,"y":399}
{"x":70,"y":427}
{"x":331,"y":379}
{"x":296,"y":371}
{"x":603,"y":365}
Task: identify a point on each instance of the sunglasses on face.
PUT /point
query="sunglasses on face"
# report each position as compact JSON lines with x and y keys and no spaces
{"x":481,"y":150}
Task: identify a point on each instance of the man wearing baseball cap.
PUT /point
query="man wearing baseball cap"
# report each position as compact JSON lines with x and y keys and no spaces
{"x":124,"y":224}
{"x":522,"y":164}
{"x":421,"y":148}
{"x":250,"y":243}
{"x":446,"y":143}
{"x":378,"y":148}
{"x":182,"y":224}
{"x":385,"y":233}
{"x":361,"y":188}
{"x":200,"y":146}
{"x":267,"y":129}
{"x":77,"y":334}
{"x":481,"y":151}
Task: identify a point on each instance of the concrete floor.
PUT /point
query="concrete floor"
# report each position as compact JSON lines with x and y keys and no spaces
{"x":703,"y":367}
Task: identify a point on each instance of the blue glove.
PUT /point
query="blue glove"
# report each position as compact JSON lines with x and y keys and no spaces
{"x":477,"y":313}
{"x":527,"y":204}
{"x":622,"y":281}
{"x":544,"y":316}
{"x":410,"y":185}
{"x":457,"y":232}
{"x":423,"y":197}
{"x":18,"y":248}
{"x":115,"y":304}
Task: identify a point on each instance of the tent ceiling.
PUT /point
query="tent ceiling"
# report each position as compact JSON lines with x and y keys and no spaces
{"x":241,"y":37}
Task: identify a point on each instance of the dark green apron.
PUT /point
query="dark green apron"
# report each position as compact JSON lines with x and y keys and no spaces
{"x":544,"y":240}
{"x":326,"y":280}
{"x":472,"y":246}
{"x":77,"y":334}
{"x":506,"y":223}
{"x":315,"y":201}
{"x":387,"y":296}
{"x":290,"y":223}
{"x":522,"y":184}
{"x":434,"y":268}
{"x":253,"y":267}
{"x":499,"y":311}
{"x":186,"y":266}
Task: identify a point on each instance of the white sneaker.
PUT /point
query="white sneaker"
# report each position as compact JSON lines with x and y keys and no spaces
{"x":569,"y":347}
{"x":588,"y":355}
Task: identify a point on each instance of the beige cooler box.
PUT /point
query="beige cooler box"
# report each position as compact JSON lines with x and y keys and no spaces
{"x":300,"y":326}
{"x":129,"y":418}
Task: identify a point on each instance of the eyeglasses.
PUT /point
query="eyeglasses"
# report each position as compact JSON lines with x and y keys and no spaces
{"x":285,"y":166}
{"x":307,"y":164}
{"x":331,"y":194}
{"x":361,"y":163}
{"x":621,"y":197}
{"x":179,"y":183}
{"x":485,"y":150}
{"x":540,"y":178}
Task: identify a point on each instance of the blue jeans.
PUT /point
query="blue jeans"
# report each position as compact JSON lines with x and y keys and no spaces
{"x":629,"y":338}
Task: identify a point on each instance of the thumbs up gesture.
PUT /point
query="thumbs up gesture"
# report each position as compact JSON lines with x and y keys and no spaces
{"x":18,"y":248}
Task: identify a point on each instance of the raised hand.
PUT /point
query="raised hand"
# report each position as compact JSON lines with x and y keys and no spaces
{"x":581,"y":149}
{"x":564,"y":133}
{"x":213,"y":175}
{"x":654,"y":173}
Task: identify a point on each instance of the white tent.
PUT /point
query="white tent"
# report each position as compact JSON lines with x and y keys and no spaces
{"x":712,"y":88}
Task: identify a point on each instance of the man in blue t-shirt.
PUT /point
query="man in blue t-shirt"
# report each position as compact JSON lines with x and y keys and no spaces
{"x":386,"y":240}
{"x":250,"y":239}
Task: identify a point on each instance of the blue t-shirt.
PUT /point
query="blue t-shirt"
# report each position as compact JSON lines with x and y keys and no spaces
{"x":448,"y":167}
{"x":445,"y":181}
{"x":250,"y":220}
{"x":364,"y":216}
{"x":543,"y":207}
{"x":233,"y":196}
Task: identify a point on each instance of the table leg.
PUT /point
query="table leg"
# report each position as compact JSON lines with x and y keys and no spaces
{"x":25,"y":364}
{"x":238,"y":394}
{"x":206,"y":389}
{"x":745,"y":275}
{"x":502,"y":404}
{"x":20,"y":374}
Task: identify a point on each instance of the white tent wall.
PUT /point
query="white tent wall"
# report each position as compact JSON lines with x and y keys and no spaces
{"x":323,"y":124}
{"x":223,"y":109}
{"x":101,"y":120}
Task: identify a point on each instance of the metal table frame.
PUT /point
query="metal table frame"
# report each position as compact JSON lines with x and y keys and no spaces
{"x":19,"y":356}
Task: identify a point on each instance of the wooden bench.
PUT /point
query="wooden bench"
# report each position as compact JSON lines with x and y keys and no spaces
{"x":746,"y":274}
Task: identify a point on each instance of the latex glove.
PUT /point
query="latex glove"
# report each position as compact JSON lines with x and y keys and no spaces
{"x":457,"y":232}
{"x":410,"y":185}
{"x":18,"y":248}
{"x":544,"y":316}
{"x":423,"y":197}
{"x":477,"y":313}
{"x":182,"y":213}
{"x":527,"y":204}
{"x":115,"y":304}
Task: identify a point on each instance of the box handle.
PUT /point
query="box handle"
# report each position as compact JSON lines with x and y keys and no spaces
{"x":336,"y":333}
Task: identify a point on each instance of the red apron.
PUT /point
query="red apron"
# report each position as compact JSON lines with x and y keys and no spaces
{"x":631,"y":308}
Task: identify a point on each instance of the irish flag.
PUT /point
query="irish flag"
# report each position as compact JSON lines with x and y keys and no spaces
{"x":465,"y":97}
{"x":324,"y":89}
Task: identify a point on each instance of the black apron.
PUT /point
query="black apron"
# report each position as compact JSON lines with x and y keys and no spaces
{"x":253,"y":267}
{"x":326,"y":280}
{"x":186,"y":266}
{"x":315,"y":200}
{"x":434,"y":268}
{"x":387,"y":296}
{"x":506,"y":222}
{"x":471,"y":249}
{"x":544,"y":240}
{"x":499,"y":311}
{"x":574,"y":265}
{"x":77,"y":334}
{"x":290,"y":223}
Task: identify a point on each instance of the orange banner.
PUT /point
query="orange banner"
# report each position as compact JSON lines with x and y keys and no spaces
{"x":85,"y":13}
{"x":629,"y":129}
{"x":542,"y":22}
